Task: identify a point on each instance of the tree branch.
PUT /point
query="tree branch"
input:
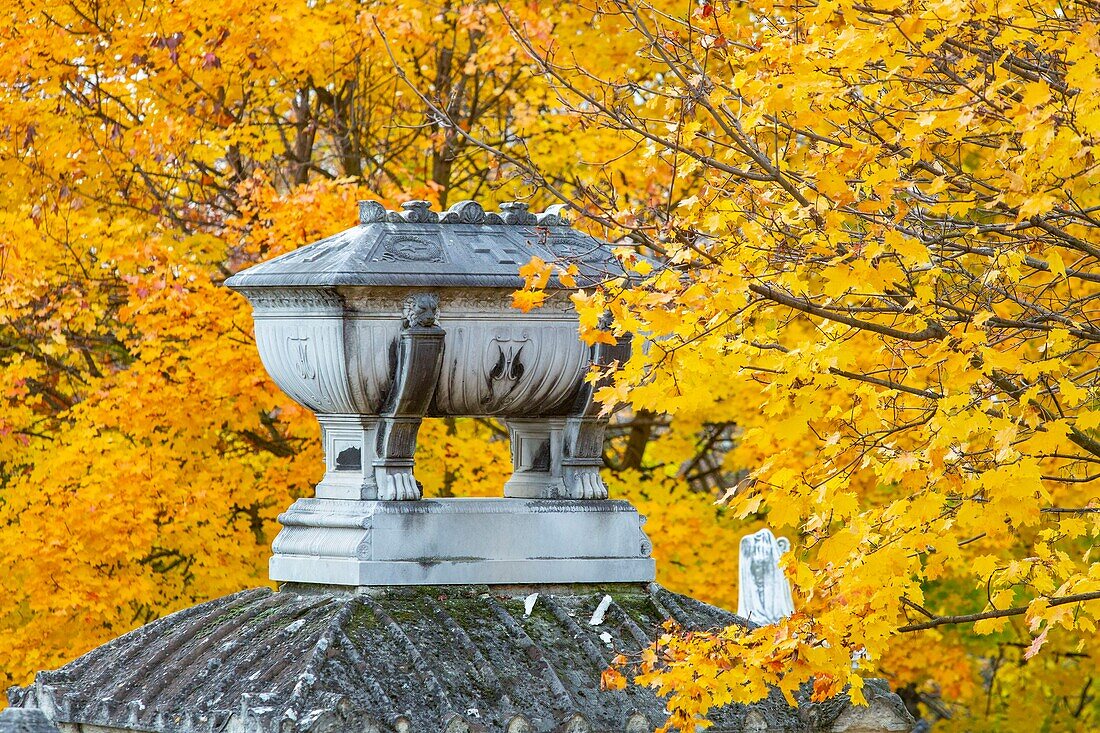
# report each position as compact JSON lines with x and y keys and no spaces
{"x":934,"y":331}
{"x":1017,"y":611}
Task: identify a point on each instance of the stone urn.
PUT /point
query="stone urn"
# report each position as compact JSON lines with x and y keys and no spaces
{"x":408,"y":315}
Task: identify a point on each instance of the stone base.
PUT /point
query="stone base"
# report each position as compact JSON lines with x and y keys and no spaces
{"x":461,"y":541}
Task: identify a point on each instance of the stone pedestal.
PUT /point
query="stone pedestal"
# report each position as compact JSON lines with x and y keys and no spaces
{"x":461,"y":541}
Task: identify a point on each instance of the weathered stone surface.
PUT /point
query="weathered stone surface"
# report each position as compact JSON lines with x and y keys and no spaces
{"x":25,"y":720}
{"x":884,"y":712}
{"x":408,"y":660}
{"x":461,"y":541}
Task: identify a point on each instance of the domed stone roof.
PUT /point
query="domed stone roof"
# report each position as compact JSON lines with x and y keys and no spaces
{"x":453,"y":659}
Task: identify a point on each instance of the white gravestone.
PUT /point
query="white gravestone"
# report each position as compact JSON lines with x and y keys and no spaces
{"x":763,"y":593}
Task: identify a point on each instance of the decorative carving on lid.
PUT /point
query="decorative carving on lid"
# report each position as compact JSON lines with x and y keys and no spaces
{"x":569,"y":247}
{"x":419,"y":211}
{"x":371,"y":212}
{"x":411,"y":249}
{"x":514,"y":213}
{"x":464,"y":212}
{"x":416,"y":212}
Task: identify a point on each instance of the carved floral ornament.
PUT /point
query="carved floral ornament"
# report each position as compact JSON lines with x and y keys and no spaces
{"x":464,"y":212}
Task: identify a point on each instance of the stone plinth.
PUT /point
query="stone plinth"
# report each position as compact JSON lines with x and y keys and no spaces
{"x":461,"y":541}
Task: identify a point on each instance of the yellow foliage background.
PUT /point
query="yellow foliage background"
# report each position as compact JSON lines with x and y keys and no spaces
{"x":147,"y":152}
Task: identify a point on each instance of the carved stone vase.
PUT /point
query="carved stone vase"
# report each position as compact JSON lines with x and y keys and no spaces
{"x":408,"y":315}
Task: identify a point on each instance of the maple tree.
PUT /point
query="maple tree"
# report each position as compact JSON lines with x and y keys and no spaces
{"x":878,"y":252}
{"x":147,"y":152}
{"x":865,"y":240}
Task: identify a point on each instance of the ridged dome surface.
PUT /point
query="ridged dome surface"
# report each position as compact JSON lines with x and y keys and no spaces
{"x":406,"y":660}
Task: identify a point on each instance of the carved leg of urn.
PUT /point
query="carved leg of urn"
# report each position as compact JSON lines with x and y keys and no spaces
{"x":583,"y":431}
{"x":419,"y":359}
{"x":582,"y":458}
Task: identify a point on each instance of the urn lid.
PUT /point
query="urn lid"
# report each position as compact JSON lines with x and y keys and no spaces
{"x":464,"y":246}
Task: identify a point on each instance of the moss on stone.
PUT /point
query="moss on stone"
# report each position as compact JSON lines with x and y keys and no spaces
{"x":362,"y":618}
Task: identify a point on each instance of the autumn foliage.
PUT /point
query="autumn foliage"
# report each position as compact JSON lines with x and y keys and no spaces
{"x":867,"y":237}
